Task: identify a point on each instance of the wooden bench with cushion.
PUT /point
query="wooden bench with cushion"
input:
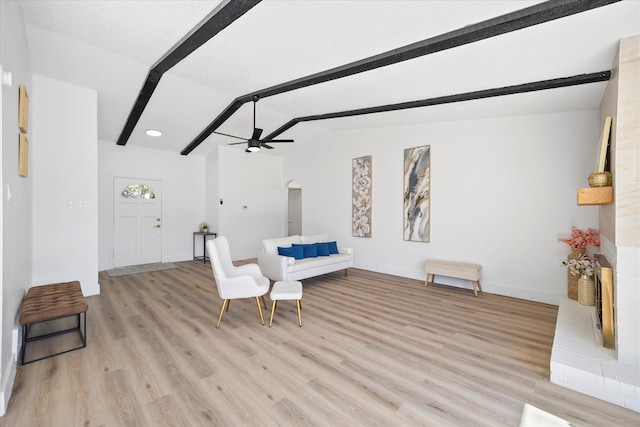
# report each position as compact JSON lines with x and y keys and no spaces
{"x":50,"y":302}
{"x":458,"y":270}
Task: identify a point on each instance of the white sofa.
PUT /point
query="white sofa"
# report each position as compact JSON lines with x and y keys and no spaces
{"x":283,"y":268}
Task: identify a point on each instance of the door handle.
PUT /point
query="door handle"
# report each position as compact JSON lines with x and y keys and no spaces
{"x":156,"y":226}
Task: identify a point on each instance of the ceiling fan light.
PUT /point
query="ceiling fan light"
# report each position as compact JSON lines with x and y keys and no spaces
{"x":153,"y":132}
{"x":253,"y":145}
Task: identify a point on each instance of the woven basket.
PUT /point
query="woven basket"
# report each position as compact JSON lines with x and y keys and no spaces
{"x":572,"y":281}
{"x":586,"y":291}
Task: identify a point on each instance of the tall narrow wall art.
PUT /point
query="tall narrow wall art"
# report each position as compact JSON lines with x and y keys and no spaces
{"x":361,"y":197}
{"x":417,"y":193}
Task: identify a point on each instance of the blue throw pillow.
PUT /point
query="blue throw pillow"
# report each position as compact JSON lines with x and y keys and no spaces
{"x":323,"y":249}
{"x":310,"y":250}
{"x":294,"y":251}
{"x":333,"y":247}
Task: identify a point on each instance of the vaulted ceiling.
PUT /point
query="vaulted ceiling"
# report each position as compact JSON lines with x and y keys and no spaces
{"x":112,"y":45}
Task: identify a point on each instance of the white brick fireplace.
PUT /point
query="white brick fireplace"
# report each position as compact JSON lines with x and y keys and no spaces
{"x":577,"y":360}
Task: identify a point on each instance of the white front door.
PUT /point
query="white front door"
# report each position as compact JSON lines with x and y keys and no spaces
{"x":137,"y":237}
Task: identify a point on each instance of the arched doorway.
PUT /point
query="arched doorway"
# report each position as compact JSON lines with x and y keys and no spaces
{"x":294,"y":208}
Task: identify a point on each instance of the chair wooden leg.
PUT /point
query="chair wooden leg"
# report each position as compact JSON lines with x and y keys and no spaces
{"x":299,"y":316}
{"x":225,"y":306}
{"x":228,"y":304}
{"x":260,"y":310}
{"x":273,"y":310}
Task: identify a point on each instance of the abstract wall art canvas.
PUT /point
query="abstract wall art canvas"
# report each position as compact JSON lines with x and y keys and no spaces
{"x":361,"y":197}
{"x":417,"y":193}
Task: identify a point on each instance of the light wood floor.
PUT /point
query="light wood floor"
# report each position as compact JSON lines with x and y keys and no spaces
{"x":373,"y":350}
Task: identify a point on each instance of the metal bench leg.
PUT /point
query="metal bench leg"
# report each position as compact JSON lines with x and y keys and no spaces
{"x":78,"y":328}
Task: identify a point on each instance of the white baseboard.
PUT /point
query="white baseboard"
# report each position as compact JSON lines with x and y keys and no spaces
{"x":488,"y":287}
{"x":7,"y":386}
{"x":104,"y":266}
{"x":178,"y":257}
{"x":400,"y":272}
{"x":90,"y":289}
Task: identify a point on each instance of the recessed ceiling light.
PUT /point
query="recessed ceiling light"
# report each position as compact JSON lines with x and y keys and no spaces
{"x":153,"y":132}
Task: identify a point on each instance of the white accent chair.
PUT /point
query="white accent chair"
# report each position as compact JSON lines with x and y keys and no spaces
{"x":235,"y":282}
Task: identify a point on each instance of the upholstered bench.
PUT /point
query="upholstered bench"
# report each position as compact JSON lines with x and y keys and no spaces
{"x":291,"y":290}
{"x":455,"y":269}
{"x":51,"y":302}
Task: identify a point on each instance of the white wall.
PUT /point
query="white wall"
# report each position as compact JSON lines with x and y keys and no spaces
{"x":64,"y":168}
{"x":183,"y":195}
{"x":212,"y":191}
{"x":254,"y":180}
{"x":503,"y":191}
{"x":15,"y":214}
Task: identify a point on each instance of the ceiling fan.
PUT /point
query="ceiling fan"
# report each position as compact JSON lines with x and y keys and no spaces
{"x":254,"y":143}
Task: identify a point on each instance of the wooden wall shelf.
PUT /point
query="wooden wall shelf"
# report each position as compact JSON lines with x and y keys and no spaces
{"x":595,"y":195}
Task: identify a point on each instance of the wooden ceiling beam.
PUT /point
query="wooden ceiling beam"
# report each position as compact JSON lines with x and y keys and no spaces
{"x":219,"y":19}
{"x":527,"y":17}
{"x":448,"y":99}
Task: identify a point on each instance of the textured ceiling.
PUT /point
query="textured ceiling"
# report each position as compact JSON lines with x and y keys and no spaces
{"x":111,"y":45}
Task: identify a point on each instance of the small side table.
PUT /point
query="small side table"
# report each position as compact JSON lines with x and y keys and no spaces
{"x":204,"y":235}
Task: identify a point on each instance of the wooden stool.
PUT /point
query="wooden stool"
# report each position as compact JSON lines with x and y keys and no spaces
{"x":286,"y":291}
{"x":51,"y":302}
{"x":458,"y":270}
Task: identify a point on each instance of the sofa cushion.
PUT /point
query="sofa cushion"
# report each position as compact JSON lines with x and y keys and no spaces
{"x":310,"y":263}
{"x":270,"y":246}
{"x":310,"y":250}
{"x":323,"y":249}
{"x":292,"y":251}
{"x":333,"y":247}
{"x":314,"y":238}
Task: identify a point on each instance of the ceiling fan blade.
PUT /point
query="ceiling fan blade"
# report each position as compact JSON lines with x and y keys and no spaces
{"x":238,"y":143}
{"x":256,"y":133}
{"x":280,"y":140}
{"x":232,"y":136}
{"x":266,"y":146}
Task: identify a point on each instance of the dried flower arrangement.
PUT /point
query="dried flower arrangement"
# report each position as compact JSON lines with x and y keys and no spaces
{"x":581,"y":239}
{"x":580,"y":267}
